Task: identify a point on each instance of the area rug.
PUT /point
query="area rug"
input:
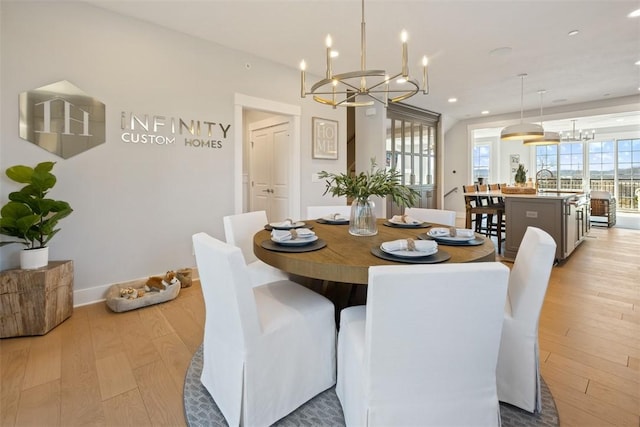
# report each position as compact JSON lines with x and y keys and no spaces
{"x":324,"y":410}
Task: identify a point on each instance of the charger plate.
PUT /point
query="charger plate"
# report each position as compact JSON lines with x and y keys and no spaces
{"x":440,"y":256}
{"x":298,"y":224}
{"x":332,"y":222}
{"x":476,"y":241}
{"x":398,"y":225}
{"x":313,"y":246}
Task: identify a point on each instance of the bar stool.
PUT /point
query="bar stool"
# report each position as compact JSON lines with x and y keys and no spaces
{"x":481,"y":212}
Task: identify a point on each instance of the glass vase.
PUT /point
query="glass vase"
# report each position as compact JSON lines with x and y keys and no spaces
{"x":363,"y":218}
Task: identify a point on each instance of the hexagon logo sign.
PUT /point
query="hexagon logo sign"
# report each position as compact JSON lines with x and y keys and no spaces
{"x":62,"y":119}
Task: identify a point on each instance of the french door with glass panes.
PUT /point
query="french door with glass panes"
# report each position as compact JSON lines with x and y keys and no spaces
{"x":411,"y":149}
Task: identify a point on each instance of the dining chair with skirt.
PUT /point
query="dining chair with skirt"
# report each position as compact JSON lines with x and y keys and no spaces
{"x":518,"y":370}
{"x":423,"y":350}
{"x":239,"y":230}
{"x":315,"y":212}
{"x":437,"y":216}
{"x":267,"y":349}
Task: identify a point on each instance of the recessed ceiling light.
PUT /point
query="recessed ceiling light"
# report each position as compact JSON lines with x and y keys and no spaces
{"x":453,"y":100}
{"x":638,"y":62}
{"x":573,"y":32}
{"x":634,"y":14}
{"x":485,"y":112}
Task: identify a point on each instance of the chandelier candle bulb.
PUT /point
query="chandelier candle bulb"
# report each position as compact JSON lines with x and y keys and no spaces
{"x":425,"y":77}
{"x":328,"y":42}
{"x":303,"y":88}
{"x":386,"y":90}
{"x":405,"y":54}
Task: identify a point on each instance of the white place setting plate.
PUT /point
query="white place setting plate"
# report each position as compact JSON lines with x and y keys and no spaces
{"x":286,"y":225}
{"x":410,"y":254}
{"x":298,"y":241}
{"x":439,"y":233}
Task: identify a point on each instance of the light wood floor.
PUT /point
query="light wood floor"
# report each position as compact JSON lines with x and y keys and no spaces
{"x":100,"y":368}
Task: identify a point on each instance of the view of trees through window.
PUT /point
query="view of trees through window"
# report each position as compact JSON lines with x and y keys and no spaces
{"x":613,"y":166}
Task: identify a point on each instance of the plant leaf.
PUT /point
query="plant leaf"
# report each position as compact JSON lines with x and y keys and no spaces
{"x":20,"y":173}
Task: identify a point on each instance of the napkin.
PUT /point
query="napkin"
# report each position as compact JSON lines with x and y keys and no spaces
{"x":404,"y":219}
{"x":286,"y":223}
{"x":451,"y":232}
{"x":403,"y":245}
{"x":284,"y":235}
{"x":335,"y":217}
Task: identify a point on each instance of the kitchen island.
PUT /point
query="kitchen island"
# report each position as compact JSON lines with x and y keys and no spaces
{"x":565,"y":216}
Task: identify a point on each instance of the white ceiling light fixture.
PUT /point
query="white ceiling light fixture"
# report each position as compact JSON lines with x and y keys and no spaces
{"x":522,"y":131}
{"x":549,"y":138}
{"x":343,"y":89}
{"x":576,"y":137}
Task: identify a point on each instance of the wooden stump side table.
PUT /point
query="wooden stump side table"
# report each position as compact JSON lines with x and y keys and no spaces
{"x":33,"y":302}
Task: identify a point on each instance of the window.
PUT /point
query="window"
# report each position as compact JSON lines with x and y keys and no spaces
{"x":570,"y":165}
{"x":547,"y":166}
{"x":481,"y":161}
{"x":628,"y":172}
{"x":601,"y":163}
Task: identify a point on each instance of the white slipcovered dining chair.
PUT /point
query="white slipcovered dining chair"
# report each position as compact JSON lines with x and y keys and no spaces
{"x":424,"y":349}
{"x":267,"y":349}
{"x":518,"y":370}
{"x":315,"y":212}
{"x":239,"y":230}
{"x":438,"y":216}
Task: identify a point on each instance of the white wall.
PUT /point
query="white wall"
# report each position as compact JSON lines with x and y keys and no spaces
{"x":136,"y":206}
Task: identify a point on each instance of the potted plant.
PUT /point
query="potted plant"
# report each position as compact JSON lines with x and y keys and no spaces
{"x":521,"y":175}
{"x":30,"y":216}
{"x":360,"y":187}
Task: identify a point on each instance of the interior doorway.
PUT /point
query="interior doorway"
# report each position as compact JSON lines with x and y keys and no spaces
{"x":244,"y":103}
{"x":269,"y":143}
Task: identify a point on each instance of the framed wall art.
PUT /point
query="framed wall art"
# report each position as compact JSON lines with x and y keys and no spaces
{"x":325,"y":138}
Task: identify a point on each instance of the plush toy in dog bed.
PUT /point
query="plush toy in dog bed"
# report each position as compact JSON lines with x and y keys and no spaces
{"x":129,"y":296}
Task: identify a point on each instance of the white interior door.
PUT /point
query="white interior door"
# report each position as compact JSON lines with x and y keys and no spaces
{"x":269,"y":170}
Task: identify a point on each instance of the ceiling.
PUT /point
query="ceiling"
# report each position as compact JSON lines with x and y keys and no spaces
{"x":476,"y":48}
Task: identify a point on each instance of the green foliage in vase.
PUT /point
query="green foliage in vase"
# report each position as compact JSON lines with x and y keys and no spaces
{"x":30,"y":215}
{"x":521,"y":174}
{"x":375,"y":182}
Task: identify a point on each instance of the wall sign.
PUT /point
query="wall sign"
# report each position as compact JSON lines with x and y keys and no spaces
{"x":62,"y":119}
{"x":325,"y":138}
{"x":163,"y":130}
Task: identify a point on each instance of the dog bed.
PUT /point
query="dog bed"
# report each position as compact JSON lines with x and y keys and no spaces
{"x":119,"y":304}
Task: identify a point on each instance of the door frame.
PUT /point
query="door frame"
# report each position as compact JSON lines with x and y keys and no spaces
{"x":241,"y":102}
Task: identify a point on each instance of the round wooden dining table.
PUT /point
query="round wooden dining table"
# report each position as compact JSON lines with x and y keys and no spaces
{"x":347,"y":258}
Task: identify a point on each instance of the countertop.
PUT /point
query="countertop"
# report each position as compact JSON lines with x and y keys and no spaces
{"x":547,"y":195}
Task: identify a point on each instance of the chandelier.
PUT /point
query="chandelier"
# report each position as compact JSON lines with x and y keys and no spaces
{"x":344,"y":88}
{"x":576,"y":137}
